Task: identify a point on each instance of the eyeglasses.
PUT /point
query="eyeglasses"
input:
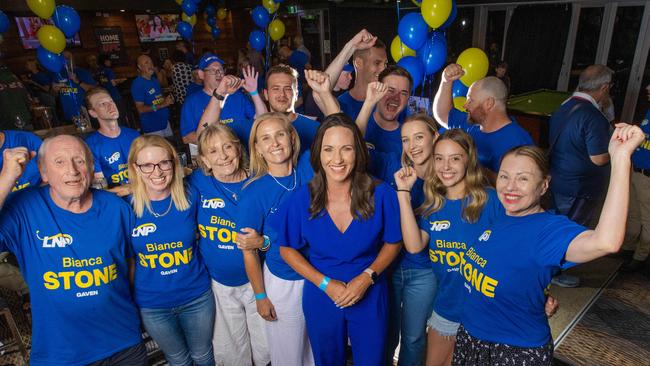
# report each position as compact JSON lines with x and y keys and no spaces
{"x":163,"y":165}
{"x":213,"y":71}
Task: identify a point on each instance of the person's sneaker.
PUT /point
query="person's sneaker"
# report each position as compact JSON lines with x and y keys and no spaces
{"x":564,"y":280}
{"x":632,"y":266}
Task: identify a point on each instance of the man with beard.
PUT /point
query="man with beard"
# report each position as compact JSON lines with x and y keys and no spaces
{"x":486,"y":119}
{"x":221,"y":100}
{"x":378,"y":119}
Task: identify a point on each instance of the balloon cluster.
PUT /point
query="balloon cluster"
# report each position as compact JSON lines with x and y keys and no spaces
{"x":264,"y":16}
{"x":52,"y":37}
{"x":475,"y":63}
{"x":212,"y":14}
{"x":188,"y":18}
{"x":417,"y":48}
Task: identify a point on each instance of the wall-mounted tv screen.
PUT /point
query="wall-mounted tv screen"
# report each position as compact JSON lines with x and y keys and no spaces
{"x":28,"y":26}
{"x":157,"y":27}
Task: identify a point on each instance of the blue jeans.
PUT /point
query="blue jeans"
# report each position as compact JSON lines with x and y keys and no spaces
{"x":412,"y":292}
{"x":184,"y":333}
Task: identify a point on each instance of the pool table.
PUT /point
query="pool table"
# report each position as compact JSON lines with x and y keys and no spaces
{"x":533,"y":110}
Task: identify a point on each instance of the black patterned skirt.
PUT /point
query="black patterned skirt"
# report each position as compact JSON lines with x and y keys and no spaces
{"x":471,"y":351}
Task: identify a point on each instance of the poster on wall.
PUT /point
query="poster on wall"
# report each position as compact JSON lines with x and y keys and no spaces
{"x":111,"y":43}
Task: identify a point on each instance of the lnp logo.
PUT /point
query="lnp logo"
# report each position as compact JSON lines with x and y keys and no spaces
{"x":58,"y":240}
{"x":485,"y":236}
{"x":113,"y":158}
{"x":214,"y":203}
{"x":143,"y":230}
{"x":440,"y":225}
{"x":152,"y":90}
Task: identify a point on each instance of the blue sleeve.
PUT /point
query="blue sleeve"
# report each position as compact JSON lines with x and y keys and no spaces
{"x":289,"y":223}
{"x":110,"y":75}
{"x":188,"y":125}
{"x":390,"y":208}
{"x":9,"y":229}
{"x":248,"y":107}
{"x":597,"y":136}
{"x":137,"y":91}
{"x":457,"y":119}
{"x":383,"y":165}
{"x":554,"y":241}
{"x":250,"y":212}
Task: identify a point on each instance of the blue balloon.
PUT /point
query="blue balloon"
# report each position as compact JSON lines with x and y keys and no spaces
{"x":257,"y":39}
{"x":412,"y":30}
{"x":452,"y":16}
{"x":458,"y":89}
{"x":49,"y":60}
{"x":184,"y":29}
{"x":212,"y":21}
{"x":216,"y":32}
{"x":261,"y":16}
{"x":197,"y":2}
{"x":189,"y":7}
{"x":278,"y":1}
{"x":211,"y":10}
{"x":67,"y":20}
{"x":414,"y":66}
{"x":433,"y":53}
{"x":4,"y":22}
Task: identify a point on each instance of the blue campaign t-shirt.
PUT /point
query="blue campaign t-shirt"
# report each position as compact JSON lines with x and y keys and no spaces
{"x":506,"y":269}
{"x":383,"y":140}
{"x":168,"y":271}
{"x":218,"y":207}
{"x":105,"y":77}
{"x":111,"y":154}
{"x":641,"y":157}
{"x":340,"y":255}
{"x":31,"y":176}
{"x":449,"y":236}
{"x":192,"y":88}
{"x":260,"y":202}
{"x":71,"y":96}
{"x":491,"y":146}
{"x":77,"y":275}
{"x":149,"y":92}
{"x":586,"y":133}
{"x":42,"y":78}
{"x":306,"y":128}
{"x":238,"y":113}
{"x":350,"y":106}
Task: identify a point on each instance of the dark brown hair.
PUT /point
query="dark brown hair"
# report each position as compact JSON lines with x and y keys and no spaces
{"x":363,"y":186}
{"x":396,"y":70}
{"x":282,"y":69}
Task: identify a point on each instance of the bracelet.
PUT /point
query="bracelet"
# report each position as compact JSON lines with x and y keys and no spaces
{"x":260,"y":296}
{"x":153,"y":106}
{"x":324,"y":283}
{"x":267,"y":244}
{"x":404,"y":190}
{"x":253,"y":93}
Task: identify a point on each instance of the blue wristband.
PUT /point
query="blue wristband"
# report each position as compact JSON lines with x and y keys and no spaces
{"x":253,"y":93}
{"x":260,"y":296}
{"x":324,"y":283}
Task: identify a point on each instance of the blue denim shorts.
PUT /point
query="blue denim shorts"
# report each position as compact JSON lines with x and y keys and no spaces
{"x":442,"y":326}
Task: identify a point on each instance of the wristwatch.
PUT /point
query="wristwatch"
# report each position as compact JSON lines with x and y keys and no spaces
{"x":219,"y":97}
{"x":372,"y":274}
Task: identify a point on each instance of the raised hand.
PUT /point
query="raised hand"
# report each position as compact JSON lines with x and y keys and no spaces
{"x":229,"y":84}
{"x":405,"y":178}
{"x":625,"y":139}
{"x":15,"y":160}
{"x":375,"y":91}
{"x":452,"y":72}
{"x":250,"y":78}
{"x":318,"y":81}
{"x":363,"y":40}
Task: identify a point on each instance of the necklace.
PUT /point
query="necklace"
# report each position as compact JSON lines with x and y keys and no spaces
{"x":283,"y":186}
{"x":232,"y":194}
{"x":156,"y":215}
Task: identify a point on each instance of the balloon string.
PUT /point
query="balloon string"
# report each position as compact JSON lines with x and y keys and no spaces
{"x":401,"y":45}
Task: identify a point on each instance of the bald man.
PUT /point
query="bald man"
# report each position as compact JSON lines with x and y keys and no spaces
{"x":486,"y":119}
{"x":149,"y":100}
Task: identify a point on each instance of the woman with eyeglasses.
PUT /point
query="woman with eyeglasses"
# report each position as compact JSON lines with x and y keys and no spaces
{"x":171,"y":285}
{"x":275,"y":175}
{"x":239,"y":335}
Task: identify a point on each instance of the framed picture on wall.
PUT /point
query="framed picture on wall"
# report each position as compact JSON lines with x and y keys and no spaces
{"x":157,"y":27}
{"x":111,"y":42}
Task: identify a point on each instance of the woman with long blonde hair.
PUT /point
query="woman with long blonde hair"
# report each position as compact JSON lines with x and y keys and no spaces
{"x":171,"y":285}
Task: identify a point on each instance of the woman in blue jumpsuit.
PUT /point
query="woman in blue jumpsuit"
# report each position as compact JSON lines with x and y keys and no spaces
{"x":507,"y":268}
{"x":457,"y":206}
{"x":348,"y":222}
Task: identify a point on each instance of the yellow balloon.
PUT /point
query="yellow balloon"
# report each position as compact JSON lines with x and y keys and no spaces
{"x":435,"y":12}
{"x":191,"y":20}
{"x":276,"y":29}
{"x":51,"y":38}
{"x":398,"y":49}
{"x":475,"y":63}
{"x":42,"y":8}
{"x":207,"y":27}
{"x":270,"y":5}
{"x":222,"y":13}
{"x":179,"y":2}
{"x":459,"y":103}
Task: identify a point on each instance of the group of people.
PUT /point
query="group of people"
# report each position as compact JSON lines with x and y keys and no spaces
{"x":297,"y":238}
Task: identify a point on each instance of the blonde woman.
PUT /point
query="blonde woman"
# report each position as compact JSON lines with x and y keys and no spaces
{"x":171,"y":285}
{"x":275,"y":174}
{"x":237,"y":326}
